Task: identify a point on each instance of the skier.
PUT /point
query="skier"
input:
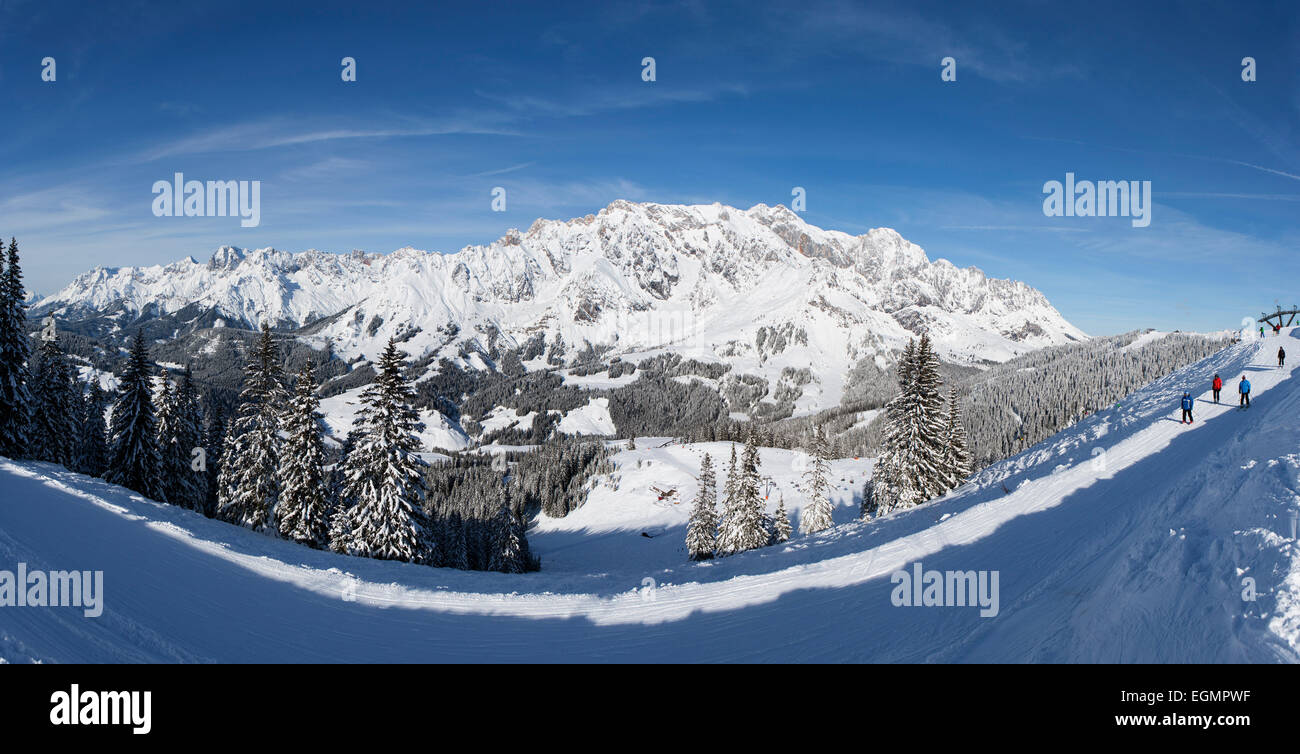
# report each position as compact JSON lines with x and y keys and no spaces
{"x":1281,"y":357}
{"x":1187,"y":408}
{"x":1243,"y":387}
{"x":1217,"y":385}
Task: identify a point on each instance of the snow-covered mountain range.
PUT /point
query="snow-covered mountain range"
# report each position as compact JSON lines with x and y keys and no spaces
{"x":758,"y":289}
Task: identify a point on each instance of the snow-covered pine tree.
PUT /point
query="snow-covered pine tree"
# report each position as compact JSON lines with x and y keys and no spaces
{"x":781,"y":528}
{"x":180,"y":431}
{"x":891,"y":483}
{"x":248,"y":489}
{"x":456,"y":551}
{"x":910,"y":467}
{"x":15,"y":350}
{"x":868,"y":509}
{"x":340,"y":532}
{"x":957,"y":455}
{"x":932,"y":423}
{"x":214,"y":443}
{"x":752,"y":501}
{"x":744,"y":528}
{"x":164,"y":399}
{"x":383,"y":475}
{"x":92,"y":440}
{"x":817,"y":515}
{"x":729,"y":510}
{"x":304,"y":495}
{"x":55,"y":403}
{"x":191,"y":486}
{"x":508,"y":553}
{"x":339,"y":515}
{"x":133,"y":459}
{"x":702,"y":532}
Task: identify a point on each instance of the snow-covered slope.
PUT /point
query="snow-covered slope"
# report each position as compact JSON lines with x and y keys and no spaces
{"x":759,"y":289}
{"x":1124,"y":538}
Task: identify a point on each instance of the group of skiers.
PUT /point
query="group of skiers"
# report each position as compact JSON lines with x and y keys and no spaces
{"x":1243,"y":389}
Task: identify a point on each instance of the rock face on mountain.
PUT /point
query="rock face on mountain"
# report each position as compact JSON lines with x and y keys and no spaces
{"x":759,"y":290}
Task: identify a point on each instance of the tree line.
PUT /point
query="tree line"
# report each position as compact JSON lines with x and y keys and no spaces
{"x":743,"y":523}
{"x":264,"y":468}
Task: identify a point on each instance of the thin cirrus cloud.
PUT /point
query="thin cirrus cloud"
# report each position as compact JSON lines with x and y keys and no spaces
{"x":53,"y":208}
{"x":611,"y":99}
{"x":502,"y":171}
{"x":510,"y":111}
{"x":271,"y":134}
{"x":1016,"y":228}
{"x":898,"y":35}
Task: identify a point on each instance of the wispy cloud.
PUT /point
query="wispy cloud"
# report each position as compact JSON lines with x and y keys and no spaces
{"x":272,"y":133}
{"x":1261,"y":168}
{"x":588,"y":102}
{"x":1016,"y":228}
{"x":1229,"y":195}
{"x":502,"y":171}
{"x":901,"y":35}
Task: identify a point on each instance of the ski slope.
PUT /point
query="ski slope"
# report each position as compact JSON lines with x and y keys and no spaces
{"x":1123,"y":538}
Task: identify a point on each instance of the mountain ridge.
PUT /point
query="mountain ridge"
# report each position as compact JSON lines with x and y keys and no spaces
{"x":760,"y":289}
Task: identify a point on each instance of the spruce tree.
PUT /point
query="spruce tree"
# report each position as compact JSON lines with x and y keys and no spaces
{"x":383,"y":475}
{"x":751,"y":497}
{"x":744,"y":527}
{"x":890,"y":483}
{"x":214,"y":443}
{"x":781,"y":528}
{"x":729,"y":510}
{"x":910,"y":467}
{"x":702,"y":532}
{"x":931,"y":422}
{"x":133,"y":459}
{"x":55,"y":406}
{"x":248,"y":489}
{"x":92,"y":440}
{"x":957,"y":456}
{"x":340,"y":531}
{"x":456,"y":554}
{"x":304,"y":495}
{"x":194,"y":490}
{"x":339,"y":516}
{"x":868,"y":509}
{"x":165,"y":410}
{"x":508,"y":553}
{"x":817,"y":515}
{"x":180,"y":432}
{"x":15,"y":351}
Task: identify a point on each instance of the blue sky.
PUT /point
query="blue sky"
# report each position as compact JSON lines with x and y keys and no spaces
{"x":751,"y":99}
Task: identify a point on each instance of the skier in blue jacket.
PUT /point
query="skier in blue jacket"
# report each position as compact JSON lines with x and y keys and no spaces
{"x":1187,"y":408}
{"x":1243,"y":387}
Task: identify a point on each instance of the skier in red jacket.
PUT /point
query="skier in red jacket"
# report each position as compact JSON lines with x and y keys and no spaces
{"x":1217,"y":385}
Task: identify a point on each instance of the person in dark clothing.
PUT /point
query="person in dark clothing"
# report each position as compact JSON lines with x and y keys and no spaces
{"x":1243,"y":387}
{"x":1281,"y":357}
{"x":1187,"y":408}
{"x":1217,"y":385}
